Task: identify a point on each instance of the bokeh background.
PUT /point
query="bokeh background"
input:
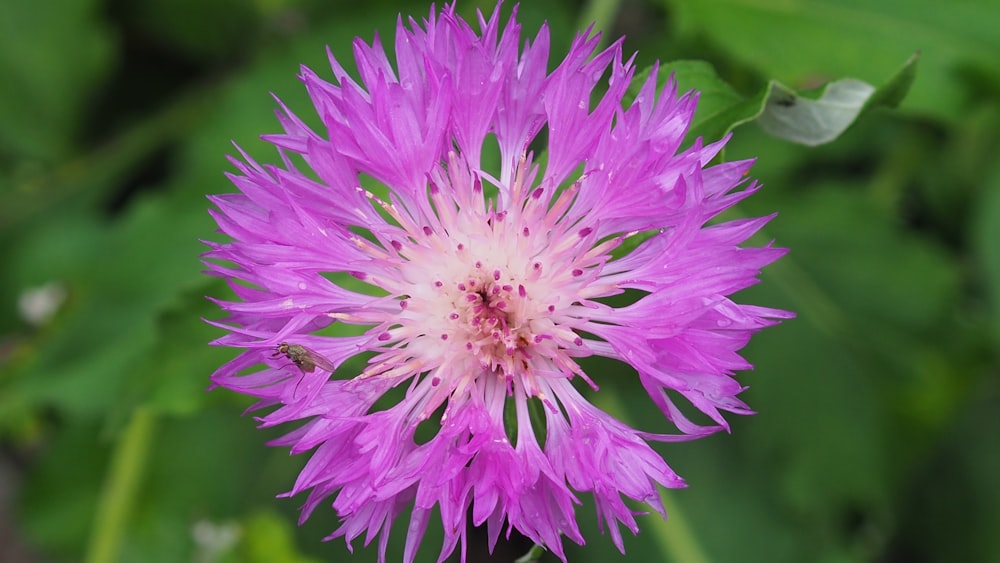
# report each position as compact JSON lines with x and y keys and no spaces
{"x":879,"y":406}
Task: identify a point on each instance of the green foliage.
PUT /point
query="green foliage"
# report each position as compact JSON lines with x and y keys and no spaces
{"x":52,"y":59}
{"x":877,"y":405}
{"x":778,"y":109}
{"x":802,"y":42}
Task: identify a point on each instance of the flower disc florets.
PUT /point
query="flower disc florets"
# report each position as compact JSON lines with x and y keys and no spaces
{"x":474,"y":280}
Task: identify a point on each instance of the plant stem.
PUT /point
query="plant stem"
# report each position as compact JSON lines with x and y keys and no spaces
{"x":121,"y":482}
{"x":534,"y":554}
{"x":602,"y":14}
{"x":674,"y":535}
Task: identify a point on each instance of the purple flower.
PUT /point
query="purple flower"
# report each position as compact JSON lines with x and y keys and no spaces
{"x":464,"y":222}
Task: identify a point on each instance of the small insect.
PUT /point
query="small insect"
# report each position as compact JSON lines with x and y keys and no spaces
{"x":306,"y":359}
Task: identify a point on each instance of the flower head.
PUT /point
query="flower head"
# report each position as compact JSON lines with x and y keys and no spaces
{"x":423,"y":232}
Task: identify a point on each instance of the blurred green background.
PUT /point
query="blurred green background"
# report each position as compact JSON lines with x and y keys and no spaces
{"x":879,"y":406}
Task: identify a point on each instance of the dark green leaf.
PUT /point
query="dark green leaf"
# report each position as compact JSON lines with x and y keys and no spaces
{"x":52,"y":56}
{"x":987,"y":242}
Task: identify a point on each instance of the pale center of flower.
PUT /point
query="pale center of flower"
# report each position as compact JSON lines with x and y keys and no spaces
{"x":470,"y":313}
{"x":483,"y":305}
{"x":488,"y":317}
{"x":484,"y":292}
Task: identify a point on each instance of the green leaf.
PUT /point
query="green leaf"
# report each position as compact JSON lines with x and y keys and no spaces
{"x":52,"y":56}
{"x":802,"y":42}
{"x":813,"y":122}
{"x":56,"y":502}
{"x":117,"y":280}
{"x":208,"y":467}
{"x":177,"y":366}
{"x":893,"y":91}
{"x":987,"y":243}
{"x":90,"y":181}
{"x":952,"y":506}
{"x":779,"y":110}
{"x":268,"y":536}
{"x":801,"y":119}
{"x":720,"y":107}
{"x":200,"y":30}
{"x":873,"y":270}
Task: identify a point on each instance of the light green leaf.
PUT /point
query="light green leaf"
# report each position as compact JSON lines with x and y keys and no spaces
{"x":269,"y":536}
{"x":778,"y":109}
{"x":814,"y":122}
{"x":719,"y":105}
{"x":801,"y":119}
{"x":713,"y":92}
